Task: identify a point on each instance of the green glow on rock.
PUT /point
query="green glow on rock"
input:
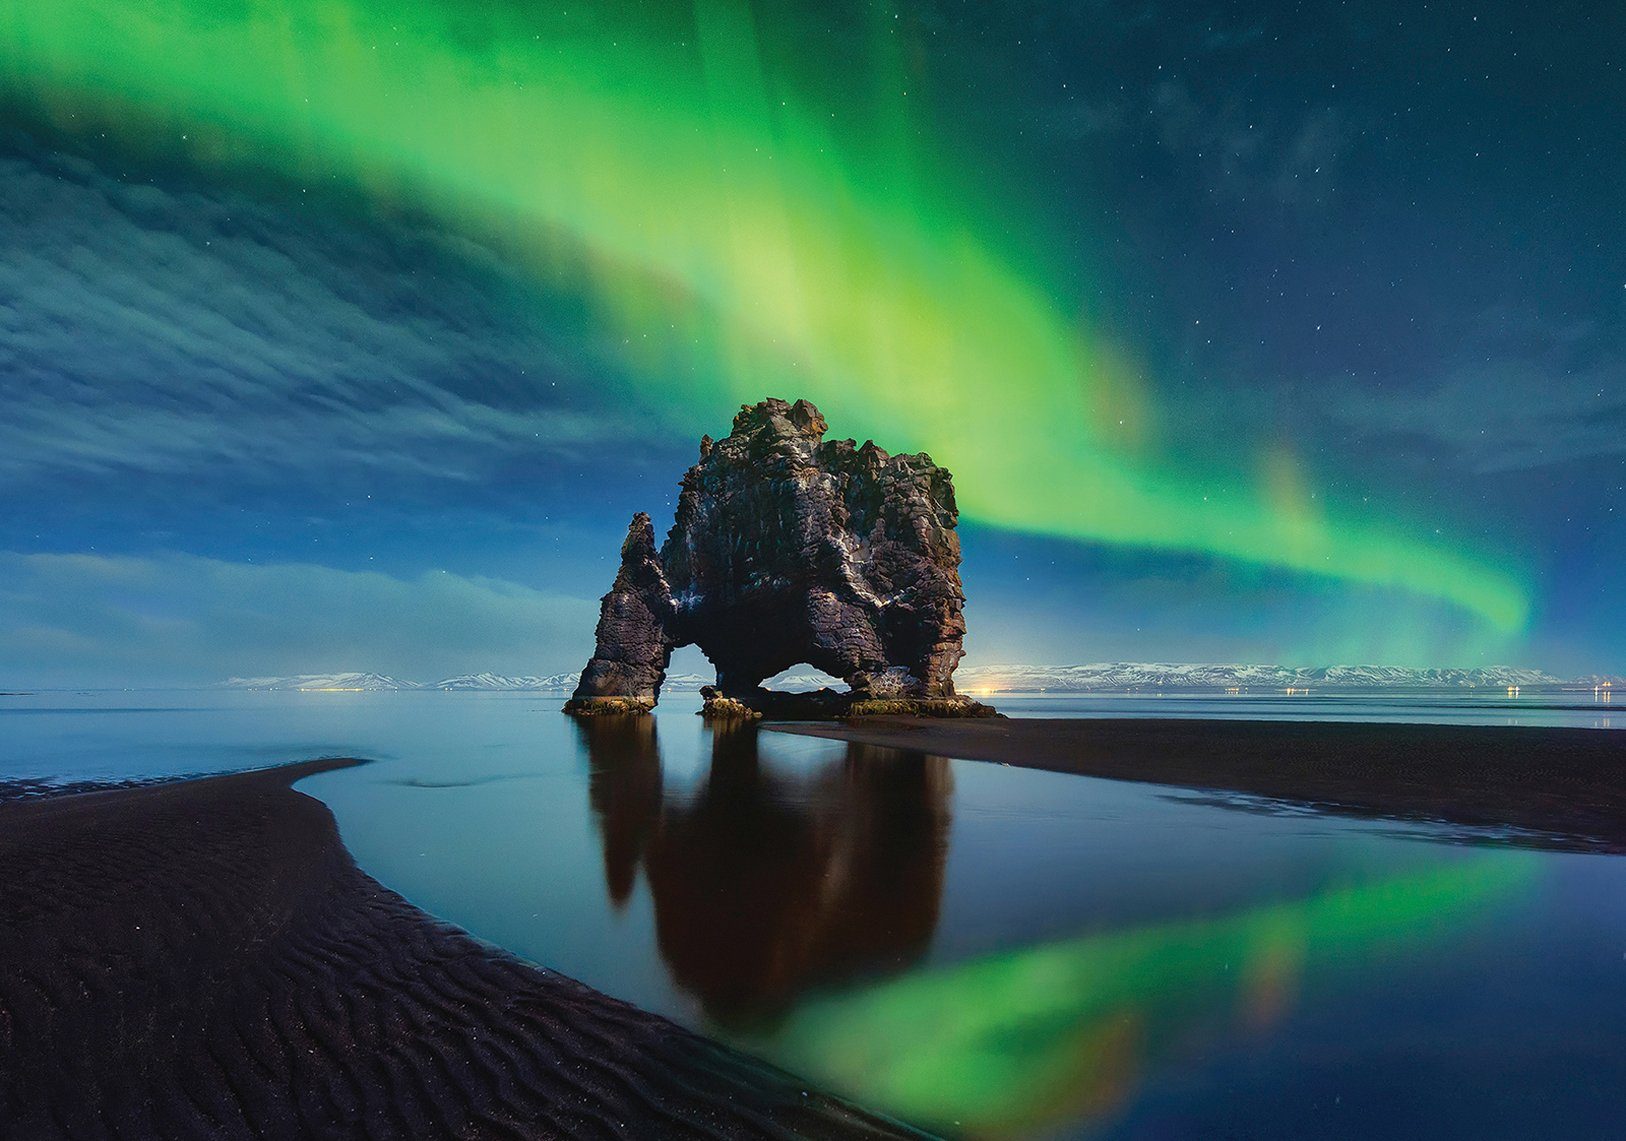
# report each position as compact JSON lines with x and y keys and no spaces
{"x":731,"y":233}
{"x":1031,"y":1038}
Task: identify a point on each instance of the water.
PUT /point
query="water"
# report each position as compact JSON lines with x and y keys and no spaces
{"x":972,"y":946}
{"x":1577,"y":710}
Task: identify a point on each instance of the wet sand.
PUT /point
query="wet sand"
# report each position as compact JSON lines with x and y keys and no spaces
{"x":203,"y":959}
{"x":1561,"y":788}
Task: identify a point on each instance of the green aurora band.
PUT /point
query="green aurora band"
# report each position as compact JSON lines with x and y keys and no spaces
{"x":1030,"y":1039}
{"x":731,"y":225}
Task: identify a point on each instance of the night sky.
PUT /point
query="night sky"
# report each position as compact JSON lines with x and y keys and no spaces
{"x":348,"y":334}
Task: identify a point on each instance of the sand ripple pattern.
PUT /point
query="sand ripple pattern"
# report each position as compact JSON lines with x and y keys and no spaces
{"x":204,"y":960}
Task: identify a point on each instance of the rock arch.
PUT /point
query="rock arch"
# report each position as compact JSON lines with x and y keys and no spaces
{"x":788,"y":548}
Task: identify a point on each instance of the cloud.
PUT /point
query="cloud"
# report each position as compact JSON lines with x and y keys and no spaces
{"x":169,"y":331}
{"x":1214,"y":102}
{"x":1223,"y":38}
{"x":87,"y":619}
{"x":1522,"y":394}
{"x":1243,"y":149}
{"x":1502,"y":416}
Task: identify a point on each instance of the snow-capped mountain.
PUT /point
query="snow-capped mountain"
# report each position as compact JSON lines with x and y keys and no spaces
{"x":803,"y":681}
{"x":1094,"y":677}
{"x":1173,"y":676}
{"x":677,"y":683}
{"x":491,"y":681}
{"x":349,"y":682}
{"x":551,"y":683}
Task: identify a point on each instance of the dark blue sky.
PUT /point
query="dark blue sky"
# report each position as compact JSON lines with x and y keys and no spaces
{"x":260,"y":425}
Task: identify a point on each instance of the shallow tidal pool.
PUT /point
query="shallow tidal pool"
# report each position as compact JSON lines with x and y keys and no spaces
{"x":973,"y":947}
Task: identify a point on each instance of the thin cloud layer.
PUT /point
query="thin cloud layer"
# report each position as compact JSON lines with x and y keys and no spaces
{"x":168,"y":332}
{"x":1523,"y":394}
{"x":174,"y":618}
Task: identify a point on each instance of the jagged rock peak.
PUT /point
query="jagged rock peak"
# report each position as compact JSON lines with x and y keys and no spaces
{"x":790,"y":549}
{"x":634,"y":619}
{"x":775,"y":417}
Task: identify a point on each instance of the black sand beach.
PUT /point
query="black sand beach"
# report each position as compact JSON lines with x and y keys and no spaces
{"x":1563,"y":788}
{"x":203,"y":959}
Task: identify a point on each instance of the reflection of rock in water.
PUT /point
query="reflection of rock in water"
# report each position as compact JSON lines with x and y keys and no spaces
{"x":624,"y":786}
{"x":766,"y":885}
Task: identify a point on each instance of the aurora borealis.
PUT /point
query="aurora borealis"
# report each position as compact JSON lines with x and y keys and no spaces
{"x":1016,"y":1043}
{"x":638,"y":218}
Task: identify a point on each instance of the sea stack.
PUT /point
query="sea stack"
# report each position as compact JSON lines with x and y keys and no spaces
{"x":790,"y":549}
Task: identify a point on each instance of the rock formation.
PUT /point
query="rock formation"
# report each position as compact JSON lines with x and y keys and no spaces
{"x":767,"y":884}
{"x":635,"y":626}
{"x":791,"y":549}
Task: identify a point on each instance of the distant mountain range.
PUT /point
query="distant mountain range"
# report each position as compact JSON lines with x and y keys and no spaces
{"x":345,"y":682}
{"x":1097,"y":677}
{"x":1121,"y":676}
{"x":371,"y":682}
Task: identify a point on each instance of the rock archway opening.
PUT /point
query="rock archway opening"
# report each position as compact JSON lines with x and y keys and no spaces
{"x":789,"y":548}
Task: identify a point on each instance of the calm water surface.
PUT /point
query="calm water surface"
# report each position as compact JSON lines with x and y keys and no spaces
{"x":981,"y":948}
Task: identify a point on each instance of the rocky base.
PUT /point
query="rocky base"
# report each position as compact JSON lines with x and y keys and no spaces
{"x":608,"y":706}
{"x":789,"y":549}
{"x":921,"y":707}
{"x":720,"y":708}
{"x":833,"y":705}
